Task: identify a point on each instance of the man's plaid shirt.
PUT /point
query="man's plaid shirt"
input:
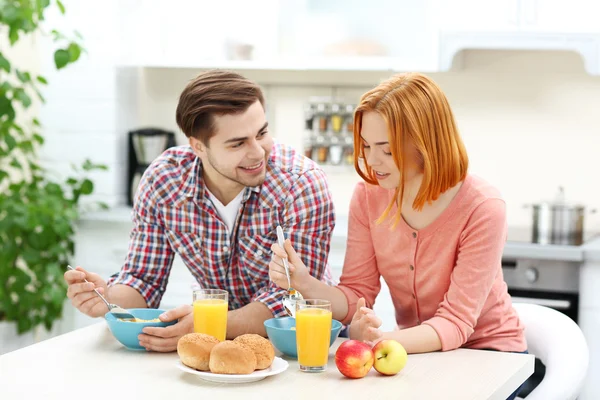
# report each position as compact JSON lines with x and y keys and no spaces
{"x":173,"y":214}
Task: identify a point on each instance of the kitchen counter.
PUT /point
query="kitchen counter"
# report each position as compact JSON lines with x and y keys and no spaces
{"x":591,"y":250}
{"x":90,"y":364}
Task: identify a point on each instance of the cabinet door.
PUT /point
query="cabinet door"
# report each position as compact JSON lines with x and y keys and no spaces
{"x":476,"y":15}
{"x":344,"y":34}
{"x":559,"y":16}
{"x":192,"y":33}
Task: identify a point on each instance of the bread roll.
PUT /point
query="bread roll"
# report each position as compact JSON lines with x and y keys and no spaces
{"x":261,"y":347}
{"x":231,"y":358}
{"x":194,"y":350}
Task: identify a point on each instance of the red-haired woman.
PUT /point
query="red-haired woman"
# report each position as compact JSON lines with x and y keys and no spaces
{"x":434,"y":232}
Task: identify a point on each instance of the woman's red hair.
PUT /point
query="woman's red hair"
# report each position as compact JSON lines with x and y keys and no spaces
{"x":416,"y":110}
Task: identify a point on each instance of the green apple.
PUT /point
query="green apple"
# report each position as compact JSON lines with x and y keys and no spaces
{"x":390,"y":357}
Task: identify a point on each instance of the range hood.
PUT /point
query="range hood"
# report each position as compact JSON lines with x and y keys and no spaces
{"x":586,"y":45}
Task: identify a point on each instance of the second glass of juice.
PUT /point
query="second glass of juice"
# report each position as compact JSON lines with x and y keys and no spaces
{"x":210,"y":312}
{"x":313,"y":333}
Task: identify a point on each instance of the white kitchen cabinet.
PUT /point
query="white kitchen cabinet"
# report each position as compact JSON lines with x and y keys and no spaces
{"x":346,"y":34}
{"x":518,"y":25}
{"x":559,"y":16}
{"x":278,"y":34}
{"x":544,"y":16}
{"x":476,"y":15}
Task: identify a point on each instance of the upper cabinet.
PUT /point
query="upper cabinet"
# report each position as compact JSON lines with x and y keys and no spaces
{"x":546,"y":16}
{"x":519,"y":25}
{"x":348,"y":34}
{"x":280,"y":34}
{"x":378,"y":35}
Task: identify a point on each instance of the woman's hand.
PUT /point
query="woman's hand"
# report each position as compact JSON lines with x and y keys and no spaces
{"x":365,"y":324}
{"x":299,"y":275}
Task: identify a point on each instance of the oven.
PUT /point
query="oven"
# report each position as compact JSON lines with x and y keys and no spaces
{"x":549,"y":283}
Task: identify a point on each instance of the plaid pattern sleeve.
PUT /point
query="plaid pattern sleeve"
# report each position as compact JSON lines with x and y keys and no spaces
{"x":308,"y":222}
{"x":149,"y":257}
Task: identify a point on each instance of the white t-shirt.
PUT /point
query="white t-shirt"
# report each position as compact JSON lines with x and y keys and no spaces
{"x":229,"y":212}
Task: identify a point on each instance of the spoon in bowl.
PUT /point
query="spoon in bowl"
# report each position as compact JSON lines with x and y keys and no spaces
{"x":115,"y":310}
{"x":289,"y":299}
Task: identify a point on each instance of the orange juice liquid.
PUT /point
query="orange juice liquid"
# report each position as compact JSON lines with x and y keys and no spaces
{"x":210,"y":317}
{"x":313,"y":332}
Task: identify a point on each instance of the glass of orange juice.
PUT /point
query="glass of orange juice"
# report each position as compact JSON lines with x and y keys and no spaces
{"x":313,"y":333}
{"x":210,"y":312}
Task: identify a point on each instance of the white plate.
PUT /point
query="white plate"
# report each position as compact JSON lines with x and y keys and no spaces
{"x":278,"y":366}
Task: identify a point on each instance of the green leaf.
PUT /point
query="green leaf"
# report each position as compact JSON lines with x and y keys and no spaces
{"x":87,"y":187}
{"x":41,"y":80}
{"x":36,"y":122}
{"x":13,"y":35}
{"x":20,"y":95}
{"x":3,"y":175}
{"x":74,"y":51}
{"x":26,"y":146}
{"x":39,"y":94}
{"x":61,"y":58}
{"x":4,"y":63}
{"x":24,"y":324}
{"x":38,"y":138}
{"x":16,"y":164}
{"x":10,"y":142}
{"x":61,"y":6}
{"x":6,"y":108}
{"x":24,"y":77}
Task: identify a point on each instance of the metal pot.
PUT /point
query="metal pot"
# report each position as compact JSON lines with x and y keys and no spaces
{"x":558,"y":224}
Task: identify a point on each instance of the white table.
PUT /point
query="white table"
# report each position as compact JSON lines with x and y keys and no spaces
{"x":90,"y":364}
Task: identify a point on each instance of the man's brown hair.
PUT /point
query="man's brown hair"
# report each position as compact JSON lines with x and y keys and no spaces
{"x":211,"y":93}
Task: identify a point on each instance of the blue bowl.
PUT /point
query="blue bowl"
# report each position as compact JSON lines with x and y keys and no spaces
{"x":127,"y":332}
{"x":283,"y":337}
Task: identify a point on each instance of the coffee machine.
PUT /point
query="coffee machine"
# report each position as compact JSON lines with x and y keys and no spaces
{"x":144,"y":146}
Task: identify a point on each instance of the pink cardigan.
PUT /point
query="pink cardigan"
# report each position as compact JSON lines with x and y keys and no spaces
{"x":447,"y":275}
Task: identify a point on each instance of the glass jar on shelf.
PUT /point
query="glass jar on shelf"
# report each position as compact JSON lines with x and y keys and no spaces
{"x":349,"y":118}
{"x":321,"y":117}
{"x":321,"y":149}
{"x":348,"y":150}
{"x":336,"y":117}
{"x":336,"y":150}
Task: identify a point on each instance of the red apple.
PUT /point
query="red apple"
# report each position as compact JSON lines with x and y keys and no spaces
{"x":354,"y":359}
{"x":390,"y":357}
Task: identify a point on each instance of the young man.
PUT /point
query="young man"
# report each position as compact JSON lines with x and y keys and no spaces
{"x":217,"y":203}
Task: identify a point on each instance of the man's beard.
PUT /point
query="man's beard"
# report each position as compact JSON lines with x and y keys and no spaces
{"x":232,"y":176}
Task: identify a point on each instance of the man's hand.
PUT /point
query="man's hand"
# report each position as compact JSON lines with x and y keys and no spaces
{"x":299,"y":274}
{"x":365,"y":324}
{"x":165,"y":339}
{"x":82,"y":293}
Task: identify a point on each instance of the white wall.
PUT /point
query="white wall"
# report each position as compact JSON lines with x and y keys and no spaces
{"x":529,"y":120}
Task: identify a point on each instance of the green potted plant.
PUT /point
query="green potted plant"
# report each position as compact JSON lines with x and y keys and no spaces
{"x":37,"y":212}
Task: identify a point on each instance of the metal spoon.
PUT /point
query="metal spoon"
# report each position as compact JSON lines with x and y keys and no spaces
{"x":115,"y":310}
{"x":289,"y":300}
